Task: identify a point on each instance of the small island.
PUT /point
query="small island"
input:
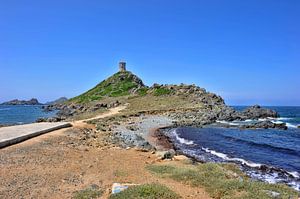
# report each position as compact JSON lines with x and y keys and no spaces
{"x":32,"y":101}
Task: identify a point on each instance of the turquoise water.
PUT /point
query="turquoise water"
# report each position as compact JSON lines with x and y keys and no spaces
{"x":21,"y":114}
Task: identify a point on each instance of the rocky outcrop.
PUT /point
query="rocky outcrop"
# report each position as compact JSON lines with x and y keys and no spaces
{"x":264,"y":125}
{"x":196,"y":93}
{"x":69,"y":110}
{"x":127,"y":139}
{"x":32,"y":101}
{"x":210,"y":114}
{"x":255,"y":112}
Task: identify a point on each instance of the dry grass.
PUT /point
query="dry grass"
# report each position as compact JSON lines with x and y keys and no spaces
{"x":222,"y":181}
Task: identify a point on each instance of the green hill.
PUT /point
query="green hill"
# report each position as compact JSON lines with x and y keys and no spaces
{"x":119,"y":84}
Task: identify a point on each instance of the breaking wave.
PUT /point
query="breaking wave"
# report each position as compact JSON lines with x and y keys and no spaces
{"x":182,"y":140}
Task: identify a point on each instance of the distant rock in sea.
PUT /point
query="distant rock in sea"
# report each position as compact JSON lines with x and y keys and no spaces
{"x":32,"y":101}
{"x":58,"y":101}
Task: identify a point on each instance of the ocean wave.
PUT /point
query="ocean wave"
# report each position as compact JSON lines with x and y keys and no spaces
{"x":225,"y":157}
{"x":295,"y":174}
{"x":4,"y":109}
{"x":277,"y":122}
{"x":264,"y":145}
{"x":182,"y":140}
{"x":275,"y":177}
{"x":289,"y":125}
{"x":283,"y":118}
{"x":262,"y":172}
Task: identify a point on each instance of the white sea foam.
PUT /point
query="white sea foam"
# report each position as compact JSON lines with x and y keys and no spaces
{"x":271,"y":178}
{"x":262,"y":119}
{"x":283,"y":118}
{"x":225,"y":157}
{"x":277,"y":122}
{"x":182,"y":140}
{"x":289,"y":125}
{"x":295,"y":174}
{"x":225,"y":122}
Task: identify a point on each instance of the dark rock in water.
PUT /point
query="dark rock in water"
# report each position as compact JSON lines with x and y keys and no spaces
{"x":39,"y":120}
{"x":265,"y":125}
{"x":256,"y":112}
{"x":33,"y":101}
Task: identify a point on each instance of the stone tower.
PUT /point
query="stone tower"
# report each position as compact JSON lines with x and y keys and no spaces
{"x":122,"y":66}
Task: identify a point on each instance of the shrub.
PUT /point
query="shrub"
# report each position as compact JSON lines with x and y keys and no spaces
{"x":161,"y":91}
{"x":147,"y":191}
{"x":88,"y":193}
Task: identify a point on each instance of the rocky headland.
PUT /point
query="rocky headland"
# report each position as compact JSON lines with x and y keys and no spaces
{"x":185,"y":105}
{"x":154,"y":107}
{"x":32,"y":101}
{"x":134,"y":137}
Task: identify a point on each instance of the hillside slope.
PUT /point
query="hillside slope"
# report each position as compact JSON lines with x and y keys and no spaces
{"x":119,"y":84}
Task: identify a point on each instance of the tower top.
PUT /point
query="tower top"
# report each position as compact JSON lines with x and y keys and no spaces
{"x":122,"y":66}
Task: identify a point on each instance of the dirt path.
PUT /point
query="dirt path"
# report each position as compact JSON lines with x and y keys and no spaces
{"x":55,"y":165}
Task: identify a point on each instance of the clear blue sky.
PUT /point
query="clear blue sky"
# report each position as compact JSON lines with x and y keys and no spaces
{"x":246,"y":51}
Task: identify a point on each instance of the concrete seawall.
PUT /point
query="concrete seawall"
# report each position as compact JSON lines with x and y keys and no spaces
{"x":15,"y":134}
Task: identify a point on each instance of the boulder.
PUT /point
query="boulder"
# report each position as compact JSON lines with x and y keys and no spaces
{"x":166,"y":154}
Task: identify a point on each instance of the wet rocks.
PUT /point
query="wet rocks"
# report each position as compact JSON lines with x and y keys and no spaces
{"x":264,"y":125}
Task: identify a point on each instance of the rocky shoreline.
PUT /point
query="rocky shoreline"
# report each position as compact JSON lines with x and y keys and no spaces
{"x":147,"y":131}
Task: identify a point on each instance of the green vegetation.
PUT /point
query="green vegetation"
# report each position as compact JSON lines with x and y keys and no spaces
{"x":161,"y":91}
{"x":223,"y":181}
{"x":88,"y":193}
{"x":143,"y":91}
{"x":120,"y":84}
{"x":147,"y":191}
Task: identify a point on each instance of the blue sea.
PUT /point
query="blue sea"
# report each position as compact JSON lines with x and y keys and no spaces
{"x":269,"y":155}
{"x":22,"y":114}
